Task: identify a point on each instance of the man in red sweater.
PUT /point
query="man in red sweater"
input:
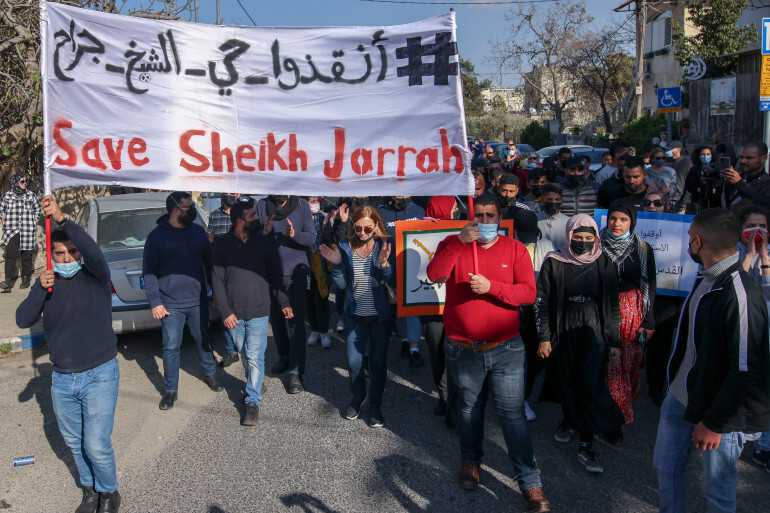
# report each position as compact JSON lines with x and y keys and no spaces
{"x":484,"y":351}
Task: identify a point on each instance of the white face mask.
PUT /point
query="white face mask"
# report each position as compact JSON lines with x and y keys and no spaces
{"x":315,"y":207}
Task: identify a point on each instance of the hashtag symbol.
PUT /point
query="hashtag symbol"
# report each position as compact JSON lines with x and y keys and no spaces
{"x":439,"y":69}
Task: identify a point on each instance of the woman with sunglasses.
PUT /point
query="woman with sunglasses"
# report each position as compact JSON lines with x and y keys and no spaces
{"x":364,"y":268}
{"x":656,"y":201}
{"x":19,"y":211}
{"x":634,"y":262}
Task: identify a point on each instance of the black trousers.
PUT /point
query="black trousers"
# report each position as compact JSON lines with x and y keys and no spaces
{"x":528,"y":332}
{"x":434,"y":339}
{"x":289,"y":334}
{"x":317,"y":308}
{"x":13,"y":255}
{"x":658,"y":348}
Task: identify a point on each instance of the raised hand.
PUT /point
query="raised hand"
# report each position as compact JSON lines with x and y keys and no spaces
{"x":51,"y":209}
{"x":384,"y":255}
{"x":289,"y":230}
{"x":344,"y":212}
{"x":470,"y":232}
{"x":331,"y":254}
{"x":268,"y":228}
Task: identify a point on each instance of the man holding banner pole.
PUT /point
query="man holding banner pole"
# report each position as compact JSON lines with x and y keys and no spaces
{"x":484,"y":352}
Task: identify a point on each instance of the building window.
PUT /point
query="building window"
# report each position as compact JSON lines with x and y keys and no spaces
{"x":658,"y":33}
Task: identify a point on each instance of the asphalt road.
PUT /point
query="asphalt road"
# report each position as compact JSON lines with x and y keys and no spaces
{"x":303,"y":456}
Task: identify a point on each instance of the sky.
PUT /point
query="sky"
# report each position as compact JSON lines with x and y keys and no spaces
{"x":476,"y":24}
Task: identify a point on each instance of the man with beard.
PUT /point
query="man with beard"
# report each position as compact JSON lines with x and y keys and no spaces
{"x":578,"y":194}
{"x":755,"y":182}
{"x":177,"y":263}
{"x":289,"y":222}
{"x":219,"y":225}
{"x":506,"y":191}
{"x":401,"y":208}
{"x":635,"y":187}
{"x":246,"y":279}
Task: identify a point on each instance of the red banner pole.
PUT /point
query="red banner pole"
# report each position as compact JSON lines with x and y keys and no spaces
{"x":475,"y":250}
{"x":48,"y":265}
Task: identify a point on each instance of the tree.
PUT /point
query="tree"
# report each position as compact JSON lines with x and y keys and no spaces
{"x":499,"y":103}
{"x":536,"y":135}
{"x":489,"y":126}
{"x":717,"y":35}
{"x":640,"y":132}
{"x":538,"y":48}
{"x":21,"y":120}
{"x":474,"y":102}
{"x":598,"y":63}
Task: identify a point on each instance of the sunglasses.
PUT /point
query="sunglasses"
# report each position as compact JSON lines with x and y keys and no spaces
{"x":367,"y":230}
{"x":533,"y":158}
{"x":657,"y":203}
{"x":22,"y":182}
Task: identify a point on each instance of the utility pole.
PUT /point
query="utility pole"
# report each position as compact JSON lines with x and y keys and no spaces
{"x":641,"y":22}
{"x":219,"y":20}
{"x":196,"y":11}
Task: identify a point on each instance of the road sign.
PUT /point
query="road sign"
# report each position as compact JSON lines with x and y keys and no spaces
{"x":765,"y":38}
{"x":669,"y":99}
{"x":764,"y":84}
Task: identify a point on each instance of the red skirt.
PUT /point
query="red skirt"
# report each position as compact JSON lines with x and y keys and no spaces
{"x":625,"y":375}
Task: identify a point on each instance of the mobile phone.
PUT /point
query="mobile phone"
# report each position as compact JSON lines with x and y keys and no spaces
{"x":724,"y":162}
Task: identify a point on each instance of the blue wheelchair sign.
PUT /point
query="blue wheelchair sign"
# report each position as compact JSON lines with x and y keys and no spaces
{"x":669,"y":99}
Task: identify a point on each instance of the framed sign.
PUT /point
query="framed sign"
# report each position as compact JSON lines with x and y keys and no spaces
{"x":416,"y":243}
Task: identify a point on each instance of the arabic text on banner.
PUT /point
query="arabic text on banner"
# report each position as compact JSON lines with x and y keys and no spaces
{"x":310,"y":111}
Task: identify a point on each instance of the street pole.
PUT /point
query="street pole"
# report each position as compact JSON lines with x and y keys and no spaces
{"x":219,"y":20}
{"x":640,"y":30}
{"x":766,"y":134}
{"x":196,"y":11}
{"x":669,"y":117}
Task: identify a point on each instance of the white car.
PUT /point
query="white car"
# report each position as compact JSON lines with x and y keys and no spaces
{"x":120,"y":225}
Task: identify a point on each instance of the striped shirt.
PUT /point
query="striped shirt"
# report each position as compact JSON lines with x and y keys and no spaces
{"x":362,"y":285}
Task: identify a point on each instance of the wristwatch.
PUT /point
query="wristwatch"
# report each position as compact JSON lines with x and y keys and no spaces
{"x":64,"y":219}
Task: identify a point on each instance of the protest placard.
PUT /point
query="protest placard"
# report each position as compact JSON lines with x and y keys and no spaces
{"x":416,"y":243}
{"x":667,"y":234}
{"x":312,"y":111}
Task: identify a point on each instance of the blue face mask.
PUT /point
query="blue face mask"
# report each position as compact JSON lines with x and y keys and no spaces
{"x":487,"y":232}
{"x":68,"y":269}
{"x":532,"y":164}
{"x":625,"y":235}
{"x":669,"y":153}
{"x":705,"y":159}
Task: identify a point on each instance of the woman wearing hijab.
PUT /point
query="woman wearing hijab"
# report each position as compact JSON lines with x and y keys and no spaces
{"x":19,"y":212}
{"x":579,"y":318}
{"x":634,"y":261}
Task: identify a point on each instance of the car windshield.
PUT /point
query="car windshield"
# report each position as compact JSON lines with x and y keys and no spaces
{"x":126,"y":228}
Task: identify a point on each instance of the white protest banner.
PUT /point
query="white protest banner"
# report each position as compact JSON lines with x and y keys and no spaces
{"x":310,"y":111}
{"x":416,"y":243}
{"x":667,"y":234}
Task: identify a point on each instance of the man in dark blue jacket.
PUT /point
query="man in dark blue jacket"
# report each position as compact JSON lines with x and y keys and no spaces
{"x":719,"y":371}
{"x":77,"y":324}
{"x":177,"y":263}
{"x":289,"y":222}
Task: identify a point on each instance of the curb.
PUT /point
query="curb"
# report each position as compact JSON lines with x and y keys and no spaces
{"x":21,"y":342}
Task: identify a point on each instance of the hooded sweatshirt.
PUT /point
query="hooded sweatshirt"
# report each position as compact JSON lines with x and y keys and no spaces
{"x":177,"y":262}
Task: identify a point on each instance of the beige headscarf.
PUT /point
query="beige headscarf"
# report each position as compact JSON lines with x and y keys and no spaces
{"x":565,"y":254}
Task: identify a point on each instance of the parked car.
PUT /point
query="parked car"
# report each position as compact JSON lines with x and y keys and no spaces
{"x":120,"y":225}
{"x":577,"y":150}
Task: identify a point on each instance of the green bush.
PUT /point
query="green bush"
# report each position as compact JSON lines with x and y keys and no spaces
{"x":536,"y":135}
{"x":639,"y":132}
{"x":5,"y":348}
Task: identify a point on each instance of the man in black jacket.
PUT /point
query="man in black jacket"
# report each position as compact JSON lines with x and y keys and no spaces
{"x":578,"y":194}
{"x":74,"y":299}
{"x":719,"y":371}
{"x":246,"y":277}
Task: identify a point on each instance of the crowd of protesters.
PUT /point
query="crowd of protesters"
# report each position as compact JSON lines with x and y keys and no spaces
{"x":563,"y":295}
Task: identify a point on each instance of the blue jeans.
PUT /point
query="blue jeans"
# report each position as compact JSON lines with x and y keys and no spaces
{"x":763,"y":444}
{"x":409,"y":327}
{"x":250,"y":338}
{"x":500,"y":371}
{"x":367,"y":335}
{"x":172,"y":327}
{"x":672,"y":448}
{"x":229,"y":344}
{"x":289,"y":334}
{"x":84,"y":404}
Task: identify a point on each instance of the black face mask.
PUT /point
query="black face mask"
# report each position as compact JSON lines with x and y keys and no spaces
{"x":189,"y":217}
{"x":506,"y":202}
{"x":635,"y":188}
{"x":279,"y":199}
{"x":563,"y":163}
{"x":552,"y":207}
{"x":456,"y":214}
{"x":536,"y":190}
{"x":581,"y":247}
{"x":695,"y":256}
{"x":576,"y":180}
{"x":401,"y":203}
{"x":228,"y":201}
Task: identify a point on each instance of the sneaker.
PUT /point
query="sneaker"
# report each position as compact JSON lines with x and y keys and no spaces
{"x":376,"y":420}
{"x":168,"y":400}
{"x":24,"y":282}
{"x":295,"y":384}
{"x":313,"y":338}
{"x":340,"y":325}
{"x":405,"y":350}
{"x":562,"y":434}
{"x":229,"y":359}
{"x":590,"y":460}
{"x":251,"y":415}
{"x":531,"y":415}
{"x":5,"y":287}
{"x":416,"y":360}
{"x":762,"y":458}
{"x":353,"y":410}
{"x":326,"y":341}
